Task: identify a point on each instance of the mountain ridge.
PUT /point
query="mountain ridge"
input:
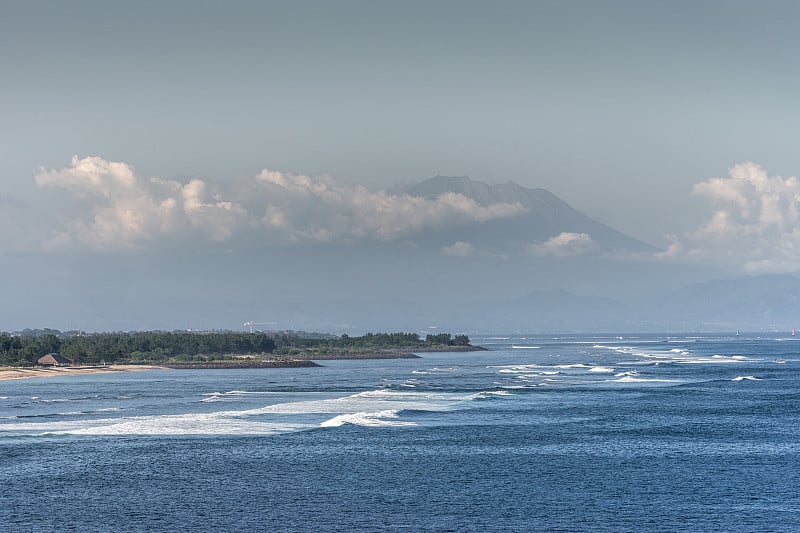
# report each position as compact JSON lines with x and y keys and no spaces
{"x":546,"y":216}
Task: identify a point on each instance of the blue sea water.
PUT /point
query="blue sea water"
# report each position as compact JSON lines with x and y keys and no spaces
{"x":540,"y":433}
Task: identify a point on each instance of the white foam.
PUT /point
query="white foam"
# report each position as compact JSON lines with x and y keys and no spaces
{"x":232,"y":395}
{"x":215,"y":397}
{"x":631,"y":379}
{"x":601,"y":369}
{"x":715,"y":359}
{"x":364,"y":402}
{"x":673,"y":355}
{"x":489,"y":394}
{"x":514,"y":346}
{"x":186,"y":424}
{"x":515,"y":369}
{"x":360,"y":408}
{"x":387,"y":418}
{"x":746,"y":378}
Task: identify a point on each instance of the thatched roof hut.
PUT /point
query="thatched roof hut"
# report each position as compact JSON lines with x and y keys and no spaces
{"x":53,"y":359}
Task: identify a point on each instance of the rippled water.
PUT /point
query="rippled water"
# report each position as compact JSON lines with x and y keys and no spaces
{"x":539,"y":433}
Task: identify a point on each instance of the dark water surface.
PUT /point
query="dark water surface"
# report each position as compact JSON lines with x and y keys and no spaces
{"x":538,"y":434}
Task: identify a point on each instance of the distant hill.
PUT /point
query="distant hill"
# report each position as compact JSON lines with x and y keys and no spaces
{"x":746,"y":303}
{"x":557,"y":310}
{"x":750,"y":303}
{"x":546,"y":216}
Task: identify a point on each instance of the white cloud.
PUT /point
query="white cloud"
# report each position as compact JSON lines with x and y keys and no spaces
{"x":754,"y":224}
{"x":459,"y":249}
{"x":319,"y":209}
{"x":217,"y":217}
{"x":124,"y":210}
{"x":564,"y":244}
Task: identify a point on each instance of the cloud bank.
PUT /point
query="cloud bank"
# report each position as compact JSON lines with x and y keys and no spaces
{"x":110,"y":207}
{"x":754,"y":224}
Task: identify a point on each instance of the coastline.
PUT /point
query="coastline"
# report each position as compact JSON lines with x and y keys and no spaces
{"x":394,"y":353}
{"x":300,"y":360}
{"x":46,"y":372}
{"x":274,"y":363}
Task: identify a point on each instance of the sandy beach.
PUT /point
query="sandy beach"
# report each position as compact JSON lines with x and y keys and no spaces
{"x":40,"y":372}
{"x":43,"y":372}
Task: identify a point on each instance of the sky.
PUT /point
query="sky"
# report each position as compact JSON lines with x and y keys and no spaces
{"x":151,"y":133}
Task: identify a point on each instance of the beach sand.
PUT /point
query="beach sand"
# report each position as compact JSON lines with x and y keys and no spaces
{"x":40,"y":372}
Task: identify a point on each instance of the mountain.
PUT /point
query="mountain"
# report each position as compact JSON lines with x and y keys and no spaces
{"x":553,"y":310}
{"x":750,"y":303}
{"x":747,"y":303}
{"x":545,"y":216}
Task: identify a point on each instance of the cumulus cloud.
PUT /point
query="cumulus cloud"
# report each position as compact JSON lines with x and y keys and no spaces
{"x":754,"y":224}
{"x":123,"y":209}
{"x":216,"y":217}
{"x":564,"y":244}
{"x":321,"y":209}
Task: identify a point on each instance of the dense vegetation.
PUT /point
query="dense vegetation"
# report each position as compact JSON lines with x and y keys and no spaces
{"x":139,"y":347}
{"x":163,"y":347}
{"x":371,"y":342}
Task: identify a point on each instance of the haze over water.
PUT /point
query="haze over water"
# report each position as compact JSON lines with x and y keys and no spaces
{"x":198,"y":165}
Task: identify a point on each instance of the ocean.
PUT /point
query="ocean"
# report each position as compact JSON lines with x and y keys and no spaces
{"x":540,"y":433}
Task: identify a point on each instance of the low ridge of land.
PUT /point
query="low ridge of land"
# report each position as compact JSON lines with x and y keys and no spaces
{"x":20,"y":353}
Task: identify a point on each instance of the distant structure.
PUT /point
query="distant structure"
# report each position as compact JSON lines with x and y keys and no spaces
{"x":53,"y":359}
{"x":250,"y":324}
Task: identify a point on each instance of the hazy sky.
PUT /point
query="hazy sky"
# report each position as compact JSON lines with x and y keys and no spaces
{"x":632,"y":112}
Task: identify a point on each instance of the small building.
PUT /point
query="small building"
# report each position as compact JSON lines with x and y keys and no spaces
{"x":53,"y":359}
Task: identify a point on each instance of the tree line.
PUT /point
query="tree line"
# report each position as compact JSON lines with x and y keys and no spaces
{"x":137,"y":347}
{"x":156,"y":346}
{"x":291,"y":344}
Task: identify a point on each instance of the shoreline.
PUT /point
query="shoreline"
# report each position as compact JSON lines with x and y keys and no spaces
{"x":45,"y":372}
{"x":224,"y":365}
{"x":297,"y":361}
{"x":392,"y":353}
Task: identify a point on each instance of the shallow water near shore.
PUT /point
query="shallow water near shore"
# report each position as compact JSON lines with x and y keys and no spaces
{"x":563,"y":433}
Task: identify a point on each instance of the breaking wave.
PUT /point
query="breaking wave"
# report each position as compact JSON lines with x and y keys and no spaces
{"x":387,"y":418}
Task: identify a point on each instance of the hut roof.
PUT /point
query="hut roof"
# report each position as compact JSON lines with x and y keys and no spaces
{"x":53,"y":359}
